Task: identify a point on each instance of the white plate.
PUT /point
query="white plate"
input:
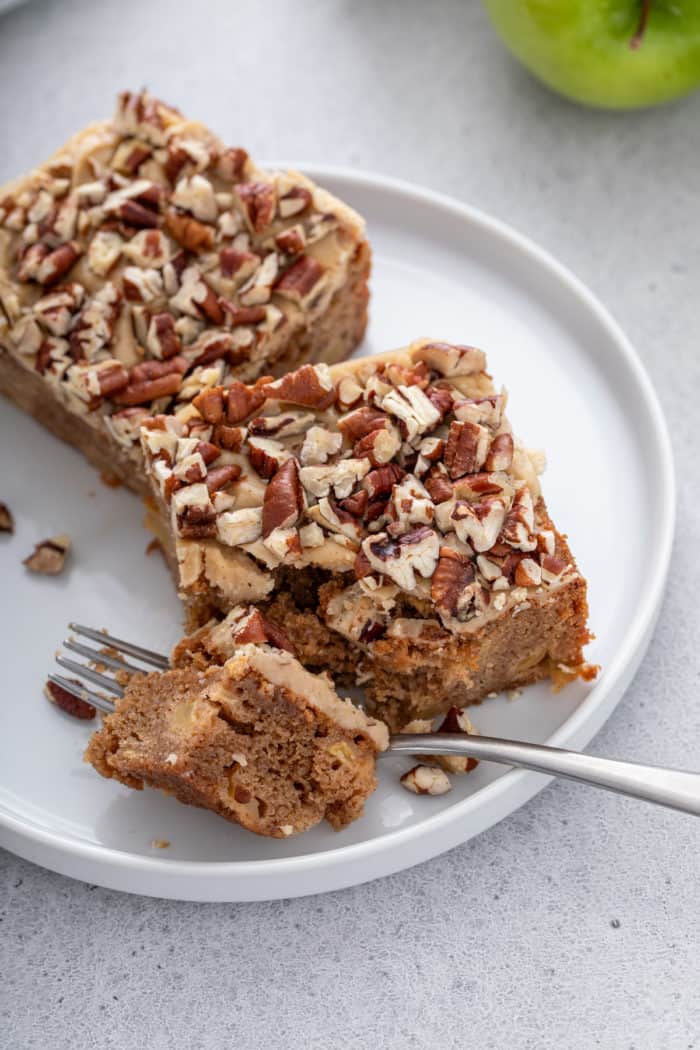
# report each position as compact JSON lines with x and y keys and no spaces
{"x":577,"y":389}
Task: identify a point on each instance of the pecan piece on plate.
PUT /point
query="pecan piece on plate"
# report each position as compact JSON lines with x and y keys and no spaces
{"x":49,"y":556}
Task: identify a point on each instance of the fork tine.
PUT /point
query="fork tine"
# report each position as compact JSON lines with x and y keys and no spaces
{"x":83,"y":693}
{"x":147,"y":656}
{"x":92,"y":676}
{"x":99,"y":657}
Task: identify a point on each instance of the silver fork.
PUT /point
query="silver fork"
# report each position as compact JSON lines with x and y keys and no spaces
{"x":674,"y":788}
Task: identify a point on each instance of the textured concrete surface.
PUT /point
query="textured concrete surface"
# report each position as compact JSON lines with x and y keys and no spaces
{"x":575,"y":922}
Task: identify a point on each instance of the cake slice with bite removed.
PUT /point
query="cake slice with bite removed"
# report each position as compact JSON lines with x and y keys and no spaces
{"x":258,"y":739}
{"x":383,"y":510}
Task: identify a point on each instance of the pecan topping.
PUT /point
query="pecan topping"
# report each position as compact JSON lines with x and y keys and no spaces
{"x":210,"y":404}
{"x":162,"y":339}
{"x":479,"y":523}
{"x":426,"y":780}
{"x":243,"y":400}
{"x":284,"y":499}
{"x":257,"y":630}
{"x":194,"y":236}
{"x":231,"y":163}
{"x":466,"y":448}
{"x":438,"y":486}
{"x":57,"y":263}
{"x":400,"y":559}
{"x":142,"y":393}
{"x":500,"y":455}
{"x":291,"y":241}
{"x":380,"y":445}
{"x":380,"y":482}
{"x":300,"y":278}
{"x":228,"y":437}
{"x":259,"y":200}
{"x":219,"y":477}
{"x":7,"y":522}
{"x":242,"y":314}
{"x":519,"y":527}
{"x":441,"y":398}
{"x":296,"y":201}
{"x":72,"y":705}
{"x":310,"y":385}
{"x":527,"y":573}
{"x":361,"y":422}
{"x":453,"y":576}
{"x":266,"y":456}
{"x":49,"y":556}
{"x":207,"y":451}
{"x":231,"y":261}
{"x":451,"y":360}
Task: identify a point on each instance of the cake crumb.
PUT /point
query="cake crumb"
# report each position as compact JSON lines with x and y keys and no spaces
{"x":7,"y":522}
{"x":287,"y":830}
{"x":153,"y":546}
{"x":160,"y":843}
{"x":110,"y":480}
{"x":513,"y":694}
{"x":171,"y":759}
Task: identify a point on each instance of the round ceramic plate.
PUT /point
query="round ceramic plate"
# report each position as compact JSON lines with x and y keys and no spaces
{"x":576,"y":389}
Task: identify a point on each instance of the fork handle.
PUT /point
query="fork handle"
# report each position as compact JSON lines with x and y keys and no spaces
{"x":674,"y":788}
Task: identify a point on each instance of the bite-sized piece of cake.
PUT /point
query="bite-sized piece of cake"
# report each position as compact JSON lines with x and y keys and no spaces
{"x":383,"y":511}
{"x":146,"y":262}
{"x":259,"y":741}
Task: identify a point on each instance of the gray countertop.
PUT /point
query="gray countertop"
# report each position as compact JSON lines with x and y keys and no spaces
{"x":575,"y":922}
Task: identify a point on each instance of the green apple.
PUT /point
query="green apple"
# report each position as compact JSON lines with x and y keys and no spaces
{"x":617,"y":54}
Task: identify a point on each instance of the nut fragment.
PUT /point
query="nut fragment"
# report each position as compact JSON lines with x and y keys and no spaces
{"x":72,"y":705}
{"x":49,"y":556}
{"x":451,"y":584}
{"x":426,"y":780}
{"x":457,"y":721}
{"x":400,"y":560}
{"x":466,"y":448}
{"x":7,"y":522}
{"x":310,"y":385}
{"x":284,"y":499}
{"x":257,"y":630}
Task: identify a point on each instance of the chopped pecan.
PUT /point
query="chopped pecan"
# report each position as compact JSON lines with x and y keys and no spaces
{"x":299,"y":279}
{"x":194,"y":512}
{"x":400,"y":560}
{"x":7,"y":522}
{"x":500,"y":455}
{"x":451,"y":360}
{"x":259,"y":200}
{"x":162,"y":339}
{"x":441,"y":398}
{"x":291,"y":241}
{"x":426,"y":780}
{"x":266,"y":456}
{"x":111,"y":379}
{"x":411,"y":406}
{"x":155,"y":369}
{"x":349,"y":393}
{"x":149,"y":390}
{"x":356,"y":504}
{"x":232,"y":261}
{"x":485,"y":410}
{"x":380,"y":445}
{"x":439,"y":486}
{"x":228,"y":437}
{"x":195,"y":194}
{"x":208,"y":451}
{"x":194,"y":236}
{"x":210,"y":404}
{"x":236,"y":527}
{"x":309,"y":385}
{"x":219,"y":477}
{"x":68,"y":702}
{"x":243,"y":400}
{"x":479,"y":523}
{"x":528,"y":573}
{"x":319,"y":444}
{"x":57,"y":263}
{"x":297,"y":200}
{"x":208,"y":304}
{"x":284,"y":499}
{"x":466,"y":448}
{"x":231,"y":163}
{"x":341,"y":477}
{"x":361,"y":422}
{"x":255,"y":629}
{"x":552,"y":567}
{"x":519,"y":526}
{"x":456,"y":721}
{"x":242,"y":314}
{"x":49,"y":556}
{"x":380,"y":482}
{"x":134,"y":213}
{"x":449,"y":587}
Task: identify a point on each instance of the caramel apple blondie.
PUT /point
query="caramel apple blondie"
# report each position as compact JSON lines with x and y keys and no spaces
{"x":258,"y":739}
{"x":384,"y":512}
{"x":146,"y":262}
